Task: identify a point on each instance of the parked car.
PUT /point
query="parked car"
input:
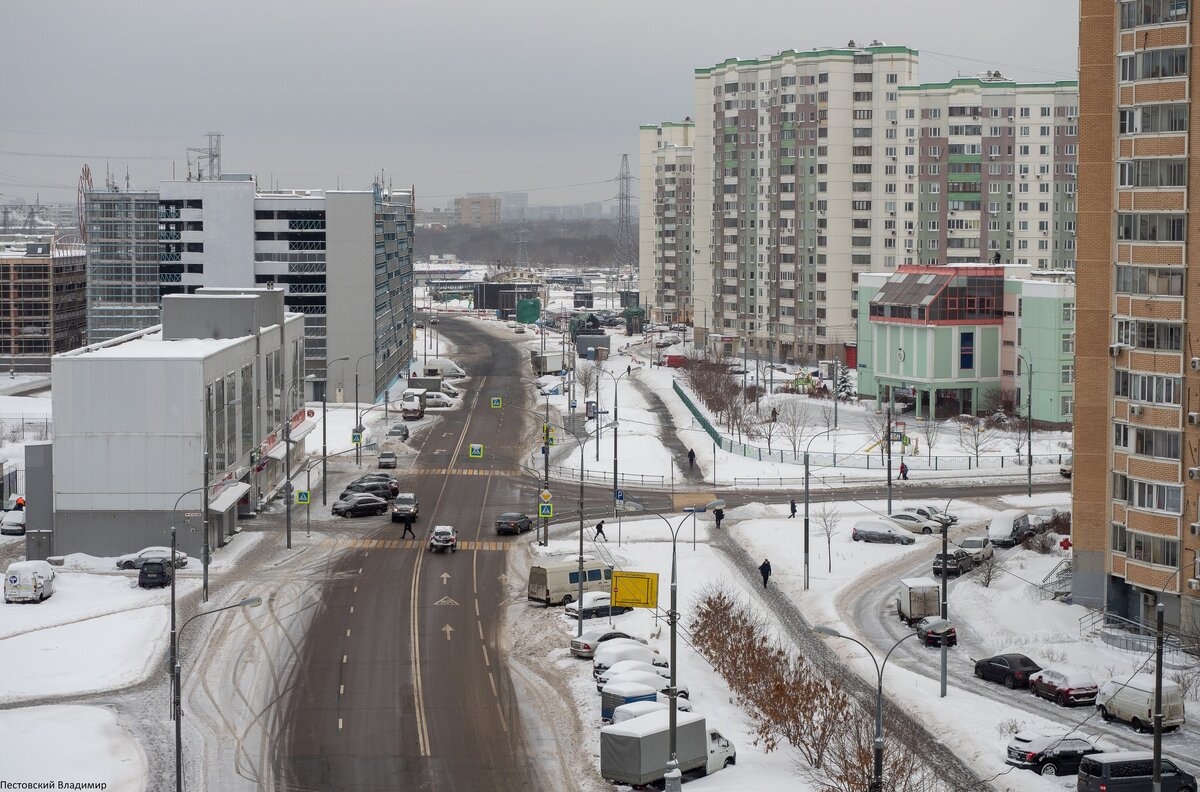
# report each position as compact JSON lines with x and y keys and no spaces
{"x":405,"y":505}
{"x":877,"y":531}
{"x":359,"y":504}
{"x":13,"y":523}
{"x":585,"y":645}
{"x":387,"y":478}
{"x":933,"y":513}
{"x":412,"y":409}
{"x":450,"y":390}
{"x":513,"y":522}
{"x":435,"y":399}
{"x":155,"y":573}
{"x":387,"y":459}
{"x":595,"y":604}
{"x":28,"y":581}
{"x":1132,"y":700}
{"x":1064,"y":686}
{"x":915,"y":522}
{"x":135,"y":560}
{"x":419,"y":324}
{"x":443,"y":538}
{"x":380,"y":488}
{"x":1009,"y":528}
{"x":606,"y":656}
{"x":519,"y":329}
{"x":978,"y":547}
{"x":931,"y":629}
{"x":629,"y":666}
{"x":1131,"y":771}
{"x":1049,"y":754}
{"x":650,"y":680}
{"x":954,"y":562}
{"x":399,"y":431}
{"x":1065,"y":470}
{"x":1011,"y":670}
{"x":434,"y":320}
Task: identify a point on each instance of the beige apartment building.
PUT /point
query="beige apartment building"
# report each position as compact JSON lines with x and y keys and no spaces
{"x":477,"y":211}
{"x":665,"y":231}
{"x":1135,"y":521}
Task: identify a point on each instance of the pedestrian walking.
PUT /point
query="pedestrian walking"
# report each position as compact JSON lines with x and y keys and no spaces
{"x":691,"y":459}
{"x":20,"y":504}
{"x":407,"y":520}
{"x":765,"y":569}
{"x":719,"y":514}
{"x":904,"y":471}
{"x":793,"y":508}
{"x":600,"y":531}
{"x":629,"y":369}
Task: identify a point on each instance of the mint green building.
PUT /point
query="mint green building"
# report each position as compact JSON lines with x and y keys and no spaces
{"x":955,"y":339}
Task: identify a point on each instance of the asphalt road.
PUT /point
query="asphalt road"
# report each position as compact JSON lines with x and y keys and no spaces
{"x":401,"y":684}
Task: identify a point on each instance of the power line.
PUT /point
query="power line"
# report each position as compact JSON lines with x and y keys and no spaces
{"x":989,"y":62}
{"x":81,"y":156}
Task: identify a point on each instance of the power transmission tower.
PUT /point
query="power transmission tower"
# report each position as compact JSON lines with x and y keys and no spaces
{"x":626,"y":255}
{"x":211,"y":154}
{"x":523,"y":246}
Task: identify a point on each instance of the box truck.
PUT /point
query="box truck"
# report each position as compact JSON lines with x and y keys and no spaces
{"x":546,"y":362}
{"x":918,"y":598}
{"x":636,"y":751}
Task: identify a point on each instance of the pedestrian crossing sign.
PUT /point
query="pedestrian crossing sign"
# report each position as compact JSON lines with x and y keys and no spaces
{"x":476,"y":451}
{"x":302,"y":497}
{"x":356,"y":438}
{"x":497,"y":402}
{"x":546,"y":510}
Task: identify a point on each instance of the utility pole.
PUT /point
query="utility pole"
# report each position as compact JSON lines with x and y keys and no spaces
{"x":1158,"y":680}
{"x":888,"y":440}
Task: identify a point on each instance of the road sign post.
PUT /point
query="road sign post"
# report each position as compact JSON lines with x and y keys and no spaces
{"x":546,"y":510}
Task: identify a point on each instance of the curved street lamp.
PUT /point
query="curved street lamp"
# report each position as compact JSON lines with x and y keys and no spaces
{"x":324,"y":429}
{"x":673,"y":777}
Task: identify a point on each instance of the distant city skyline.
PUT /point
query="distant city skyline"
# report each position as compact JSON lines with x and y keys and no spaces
{"x":527,"y":96}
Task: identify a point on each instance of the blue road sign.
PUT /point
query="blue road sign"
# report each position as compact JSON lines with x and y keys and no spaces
{"x":545,"y":510}
{"x":573,"y":404}
{"x":620,"y":495}
{"x":301,"y":497}
{"x":356,"y":438}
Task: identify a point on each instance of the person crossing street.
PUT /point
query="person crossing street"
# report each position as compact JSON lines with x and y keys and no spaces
{"x":600,"y":531}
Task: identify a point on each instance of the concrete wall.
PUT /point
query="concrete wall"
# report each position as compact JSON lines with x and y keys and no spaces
{"x":350,"y":289}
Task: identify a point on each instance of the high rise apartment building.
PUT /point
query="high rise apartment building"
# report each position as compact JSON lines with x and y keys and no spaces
{"x":343,"y":258}
{"x":43,"y":302}
{"x":1136,"y":483}
{"x":122,"y":262}
{"x":477,"y":211}
{"x":665,"y":232}
{"x":812,"y":167}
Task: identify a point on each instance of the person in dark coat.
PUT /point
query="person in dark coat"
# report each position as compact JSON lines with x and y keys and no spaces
{"x":904,"y":471}
{"x":719,"y":514}
{"x":407,"y":520}
{"x":793,"y":508}
{"x":691,"y":458}
{"x":765,"y":569}
{"x":600,"y":531}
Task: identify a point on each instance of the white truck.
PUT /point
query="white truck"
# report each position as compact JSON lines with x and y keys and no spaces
{"x":546,"y":362}
{"x":636,"y":751}
{"x":918,"y":598}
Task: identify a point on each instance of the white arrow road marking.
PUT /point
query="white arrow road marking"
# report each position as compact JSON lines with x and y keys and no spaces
{"x":445,"y":601}
{"x":447,"y":629}
{"x":445,"y":578}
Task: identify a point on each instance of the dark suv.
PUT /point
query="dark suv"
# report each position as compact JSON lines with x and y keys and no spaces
{"x":1049,"y":755}
{"x":156,"y":573}
{"x":955,"y":562}
{"x":405,"y":507}
{"x":1130,"y":771}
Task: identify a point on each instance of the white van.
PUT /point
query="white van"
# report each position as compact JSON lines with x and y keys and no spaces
{"x":28,"y":581}
{"x":442,"y":367}
{"x":1009,"y":527}
{"x":1133,"y":700}
{"x":557,"y":583}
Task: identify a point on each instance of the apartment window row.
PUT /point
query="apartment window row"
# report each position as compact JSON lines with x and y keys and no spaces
{"x":1154,"y":64}
{"x":1149,"y":281}
{"x":1148,"y":442}
{"x":1151,"y":388}
{"x":1161,"y":336}
{"x":1152,"y":12}
{"x":1148,"y":495}
{"x":1152,"y":173}
{"x":1153,"y":118}
{"x":1143,"y":547}
{"x":1152,"y":227}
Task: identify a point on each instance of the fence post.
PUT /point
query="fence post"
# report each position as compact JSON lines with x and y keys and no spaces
{"x":760,"y":455}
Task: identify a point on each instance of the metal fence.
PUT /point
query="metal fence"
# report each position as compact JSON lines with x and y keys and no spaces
{"x":25,"y":428}
{"x":600,"y":477}
{"x":874,"y":461}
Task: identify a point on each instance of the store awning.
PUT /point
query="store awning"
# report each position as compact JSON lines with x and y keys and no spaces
{"x":278,"y":452}
{"x":304,"y":428}
{"x":228,"y":497}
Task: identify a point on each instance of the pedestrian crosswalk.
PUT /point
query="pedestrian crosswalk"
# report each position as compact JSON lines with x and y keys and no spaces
{"x":404,"y":544}
{"x":441,"y":471}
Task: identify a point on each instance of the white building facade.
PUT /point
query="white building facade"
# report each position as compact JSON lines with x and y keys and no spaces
{"x":665,"y":221}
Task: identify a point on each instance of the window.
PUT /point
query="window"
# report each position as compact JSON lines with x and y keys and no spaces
{"x":1068,"y":344}
{"x":1068,"y":405}
{"x":1158,"y":497}
{"x":1157,"y":443}
{"x":966,"y":350}
{"x":1068,"y":313}
{"x":1119,"y":538}
{"x":1068,"y":374}
{"x":1153,"y":549}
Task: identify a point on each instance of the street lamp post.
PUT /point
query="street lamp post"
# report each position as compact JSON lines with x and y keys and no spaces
{"x":616,"y":379}
{"x":174,"y":635}
{"x":177,"y":682}
{"x":358,"y":427}
{"x":673,"y":776}
{"x":877,"y":778}
{"x":1028,"y":424}
{"x":324,"y":428}
{"x":806,"y":448}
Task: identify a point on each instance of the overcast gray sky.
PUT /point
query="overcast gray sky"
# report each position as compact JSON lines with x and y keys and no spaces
{"x":453,"y":97}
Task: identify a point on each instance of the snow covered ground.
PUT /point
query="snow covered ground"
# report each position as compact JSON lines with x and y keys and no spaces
{"x":69,"y":744}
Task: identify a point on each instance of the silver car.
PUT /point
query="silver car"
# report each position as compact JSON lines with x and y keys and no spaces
{"x":978,"y":547}
{"x":915,"y":522}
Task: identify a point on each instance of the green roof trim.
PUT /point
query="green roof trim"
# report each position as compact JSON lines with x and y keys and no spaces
{"x":666,"y":124}
{"x":805,"y":54}
{"x":978,"y":83}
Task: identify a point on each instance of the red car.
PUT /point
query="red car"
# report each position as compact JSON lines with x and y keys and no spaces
{"x":1064,"y":686}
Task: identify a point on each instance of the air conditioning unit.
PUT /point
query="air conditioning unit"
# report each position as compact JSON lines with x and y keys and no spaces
{"x":1136,"y":410}
{"x":1193,"y":584}
{"x":1195,"y":364}
{"x":1115,"y":350}
{"x":1193,"y":474}
{"x":1194,"y":419}
{"x":1194,"y":529}
{"x":892,"y":213}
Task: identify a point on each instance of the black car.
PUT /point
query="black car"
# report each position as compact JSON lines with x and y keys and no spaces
{"x":1051,"y":755}
{"x":380,"y":488}
{"x":1011,"y":670}
{"x":359,"y":504}
{"x":955,"y":562}
{"x":405,"y":507}
{"x":512,"y":522}
{"x":156,"y":573}
{"x":931,"y":629}
{"x":399,"y":431}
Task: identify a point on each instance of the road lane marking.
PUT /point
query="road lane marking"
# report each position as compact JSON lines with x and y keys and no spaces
{"x":352,"y":609}
{"x":344,"y":659}
{"x":492,"y":679}
{"x":447,"y":629}
{"x":341,"y":690}
{"x":347,"y":632}
{"x":476,"y":608}
{"x":480,"y":625}
{"x":339,"y":724}
{"x":486,"y":661}
{"x":445,"y":576}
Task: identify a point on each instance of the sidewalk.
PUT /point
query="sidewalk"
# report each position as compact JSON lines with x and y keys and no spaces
{"x":669,"y":439}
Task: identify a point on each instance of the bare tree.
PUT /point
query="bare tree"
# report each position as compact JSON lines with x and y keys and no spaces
{"x":878,"y":425}
{"x":975,"y":435}
{"x":827,"y":523}
{"x":827,"y":415}
{"x":929,"y":430}
{"x":769,"y":427}
{"x":1016,"y":436}
{"x":587,"y":376}
{"x":794,"y":422}
{"x":989,"y":569}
